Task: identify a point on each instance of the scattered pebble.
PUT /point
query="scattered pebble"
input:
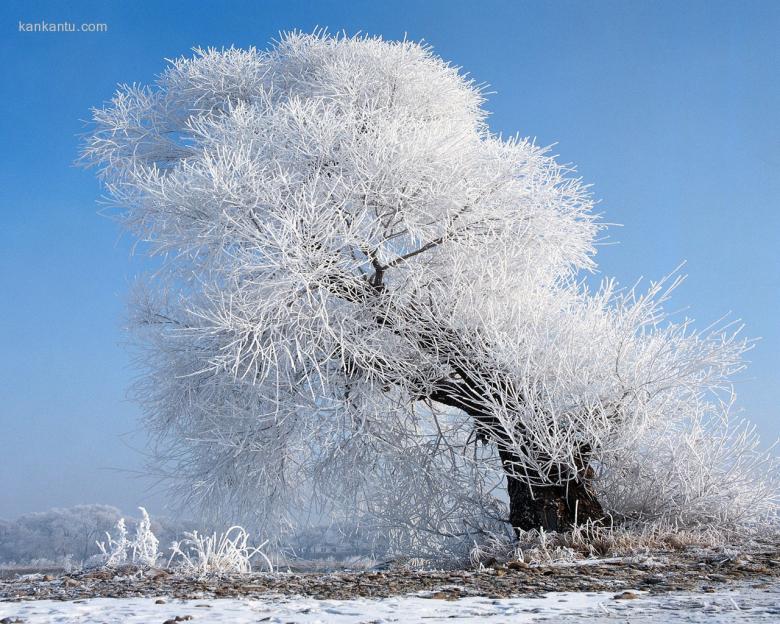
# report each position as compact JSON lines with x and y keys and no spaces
{"x":656,"y":573}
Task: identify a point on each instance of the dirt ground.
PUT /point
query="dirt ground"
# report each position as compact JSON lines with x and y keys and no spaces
{"x":705,"y":571}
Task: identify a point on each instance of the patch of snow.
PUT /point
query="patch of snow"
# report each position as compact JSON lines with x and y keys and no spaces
{"x":741,"y":604}
{"x":406,"y":609}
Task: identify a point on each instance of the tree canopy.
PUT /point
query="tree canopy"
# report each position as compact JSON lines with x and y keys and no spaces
{"x":370,"y":303}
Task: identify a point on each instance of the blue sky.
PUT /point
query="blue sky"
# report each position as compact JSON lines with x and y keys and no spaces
{"x":670,"y":109}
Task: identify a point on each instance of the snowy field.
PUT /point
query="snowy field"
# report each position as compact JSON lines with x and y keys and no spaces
{"x":739,"y":605}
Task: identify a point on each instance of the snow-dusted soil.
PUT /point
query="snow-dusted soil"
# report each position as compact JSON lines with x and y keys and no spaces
{"x":739,"y":604}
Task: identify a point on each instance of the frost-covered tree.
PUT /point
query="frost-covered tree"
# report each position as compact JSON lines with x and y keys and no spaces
{"x":73,"y":532}
{"x":367,"y":298}
{"x":56,"y":533}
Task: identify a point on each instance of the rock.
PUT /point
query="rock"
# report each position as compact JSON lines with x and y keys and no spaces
{"x":626,"y":595}
{"x":440,"y":595}
{"x":517,"y":565}
{"x":104,"y":575}
{"x":159,"y":601}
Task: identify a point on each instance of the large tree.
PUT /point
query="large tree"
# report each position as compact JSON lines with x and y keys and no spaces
{"x":365,"y":294}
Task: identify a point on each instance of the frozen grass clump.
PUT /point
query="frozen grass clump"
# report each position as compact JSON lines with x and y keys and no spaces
{"x":224,"y":552}
{"x":114,"y":550}
{"x":142,"y":549}
{"x":195,"y":554}
{"x":594,"y":541}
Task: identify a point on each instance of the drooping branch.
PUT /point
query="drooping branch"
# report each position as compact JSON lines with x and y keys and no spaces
{"x":479,"y":395}
{"x":346,"y":241}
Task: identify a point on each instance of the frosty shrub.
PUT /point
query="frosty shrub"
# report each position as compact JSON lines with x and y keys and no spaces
{"x":115,"y":550}
{"x":140,"y":550}
{"x":370,"y":306}
{"x":223,"y":552}
{"x":144,"y":546}
{"x":195,"y":554}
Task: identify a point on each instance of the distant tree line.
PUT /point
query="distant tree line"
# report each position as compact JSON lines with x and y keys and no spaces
{"x":61,"y":534}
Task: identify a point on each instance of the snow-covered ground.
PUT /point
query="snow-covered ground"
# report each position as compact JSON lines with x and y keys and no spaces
{"x":738,"y":605}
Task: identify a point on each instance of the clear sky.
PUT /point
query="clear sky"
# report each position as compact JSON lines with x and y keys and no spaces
{"x":671,"y":110}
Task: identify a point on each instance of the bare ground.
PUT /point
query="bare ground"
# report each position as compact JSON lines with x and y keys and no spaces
{"x":693,"y":570}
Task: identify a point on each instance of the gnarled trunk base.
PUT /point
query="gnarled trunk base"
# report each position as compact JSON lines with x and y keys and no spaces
{"x":552,"y":508}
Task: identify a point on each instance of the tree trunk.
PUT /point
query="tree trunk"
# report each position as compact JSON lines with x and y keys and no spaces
{"x":549,"y":507}
{"x":552,"y":507}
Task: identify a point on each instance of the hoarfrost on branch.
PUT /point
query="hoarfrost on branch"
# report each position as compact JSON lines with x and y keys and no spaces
{"x":369,"y":306}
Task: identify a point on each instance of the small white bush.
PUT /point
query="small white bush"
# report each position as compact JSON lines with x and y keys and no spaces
{"x":142,"y":549}
{"x":114,"y":551}
{"x":144,"y":546}
{"x":195,"y":554}
{"x":224,"y":552}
